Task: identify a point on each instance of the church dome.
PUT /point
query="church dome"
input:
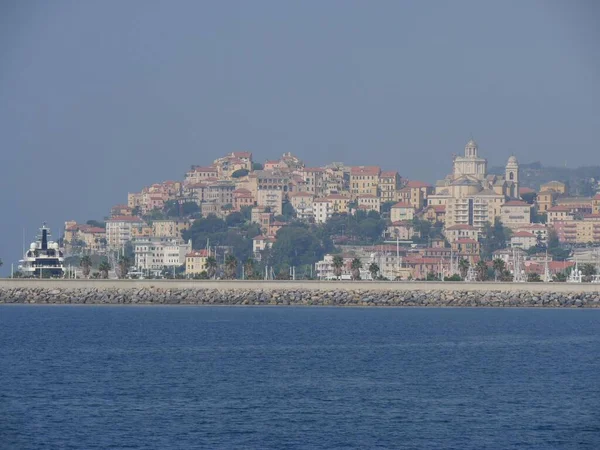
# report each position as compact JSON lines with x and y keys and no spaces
{"x":512,"y":161}
{"x":471,"y":143}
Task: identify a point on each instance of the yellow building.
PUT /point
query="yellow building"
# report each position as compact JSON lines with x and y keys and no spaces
{"x":338,"y":203}
{"x":596,"y":204}
{"x":556,"y":186}
{"x":364,"y":180}
{"x":169,"y":228}
{"x":545,"y":200}
{"x":195,"y":262}
{"x":389,"y":183}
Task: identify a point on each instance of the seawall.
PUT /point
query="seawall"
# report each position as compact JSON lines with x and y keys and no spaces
{"x":326,"y":293}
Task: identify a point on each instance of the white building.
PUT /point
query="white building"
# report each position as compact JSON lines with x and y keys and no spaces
{"x":155,"y":253}
{"x":524,"y":240}
{"x":322,"y":210}
{"x":118,"y":230}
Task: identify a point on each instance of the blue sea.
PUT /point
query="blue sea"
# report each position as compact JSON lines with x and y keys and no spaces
{"x":176,"y":377}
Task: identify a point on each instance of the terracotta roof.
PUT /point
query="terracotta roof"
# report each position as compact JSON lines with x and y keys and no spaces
{"x":596,"y":197}
{"x":365,"y":170}
{"x":526,"y":190}
{"x":402,"y":205}
{"x":197,"y":253}
{"x":466,"y":241}
{"x":388,"y":174}
{"x":242,"y":154}
{"x":417,"y":184}
{"x":313,"y":169}
{"x":300,"y":194}
{"x":367,"y":196}
{"x":560,"y":208}
{"x":402,"y":223}
{"x":437,"y":208}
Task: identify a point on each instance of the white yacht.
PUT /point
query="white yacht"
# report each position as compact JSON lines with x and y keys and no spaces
{"x":44,"y":257}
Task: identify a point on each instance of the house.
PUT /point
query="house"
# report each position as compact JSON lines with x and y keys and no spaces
{"x":154,"y":253}
{"x":261,"y":243}
{"x":364,"y":180}
{"x":401,"y":212}
{"x":242,"y":198}
{"x":170,"y":228}
{"x":195,"y":261}
{"x":456,"y":232}
{"x":515,"y":213}
{"x":466,"y":248}
{"x":524,"y":240}
{"x":369,"y":202}
{"x":389,"y":183}
{"x":403,"y":230}
{"x":435,"y":213}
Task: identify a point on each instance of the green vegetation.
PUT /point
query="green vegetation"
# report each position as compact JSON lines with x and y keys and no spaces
{"x":86,"y":265}
{"x":373,"y":270}
{"x":257,"y":166}
{"x":355,"y":267}
{"x":240,"y":173}
{"x":493,"y":238}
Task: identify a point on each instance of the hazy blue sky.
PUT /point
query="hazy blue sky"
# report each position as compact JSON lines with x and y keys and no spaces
{"x":101,"y":98}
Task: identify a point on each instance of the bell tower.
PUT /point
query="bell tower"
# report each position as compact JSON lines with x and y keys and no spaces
{"x":512,"y":177}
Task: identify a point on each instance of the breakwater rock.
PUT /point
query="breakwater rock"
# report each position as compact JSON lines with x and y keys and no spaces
{"x":298,"y":296}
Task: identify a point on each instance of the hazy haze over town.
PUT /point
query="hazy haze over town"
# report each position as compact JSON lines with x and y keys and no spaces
{"x":101,"y":98}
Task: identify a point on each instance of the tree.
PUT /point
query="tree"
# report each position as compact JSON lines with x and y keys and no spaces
{"x":86,"y":265}
{"x":124,"y":264}
{"x":355,"y":266}
{"x":239,"y":173}
{"x":211,"y":267}
{"x":249,"y":268}
{"x":257,"y":166}
{"x":230,"y":266}
{"x":234,"y":219}
{"x":338,"y":264}
{"x":463,"y":267}
{"x":554,"y":248}
{"x":104,"y":268}
{"x":298,"y":245}
{"x":498,"y":266}
{"x":1,"y":263}
{"x":482,"y":270}
{"x":374,"y":270}
{"x":588,"y":271}
{"x":493,"y":238}
{"x":96,"y":223}
{"x":533,"y":277}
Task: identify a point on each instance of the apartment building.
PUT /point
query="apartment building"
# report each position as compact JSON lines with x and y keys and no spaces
{"x":119,"y":230}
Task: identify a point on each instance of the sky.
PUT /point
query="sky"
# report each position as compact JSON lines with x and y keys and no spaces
{"x":101,"y":98}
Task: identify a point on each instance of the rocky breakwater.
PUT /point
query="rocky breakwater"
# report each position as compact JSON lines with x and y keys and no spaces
{"x":296,"y":296}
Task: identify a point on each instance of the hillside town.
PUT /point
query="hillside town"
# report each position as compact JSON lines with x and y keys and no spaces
{"x":284,"y":219}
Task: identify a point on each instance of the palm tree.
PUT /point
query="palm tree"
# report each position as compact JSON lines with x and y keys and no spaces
{"x":86,"y":265}
{"x":104,"y":268}
{"x":249,"y":268}
{"x":498,"y":266}
{"x":124,"y":264}
{"x":463,"y":267}
{"x":355,"y":266}
{"x":211,"y":267}
{"x":482,"y":270}
{"x":1,"y":263}
{"x":338,"y":264}
{"x":373,"y":269}
{"x":230,"y":266}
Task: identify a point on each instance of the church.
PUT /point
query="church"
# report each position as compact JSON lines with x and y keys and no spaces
{"x":470,"y":195}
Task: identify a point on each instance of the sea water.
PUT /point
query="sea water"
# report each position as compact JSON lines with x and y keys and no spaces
{"x":178,"y":377}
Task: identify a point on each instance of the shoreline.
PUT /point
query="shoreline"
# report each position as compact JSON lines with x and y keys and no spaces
{"x":346,"y":294}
